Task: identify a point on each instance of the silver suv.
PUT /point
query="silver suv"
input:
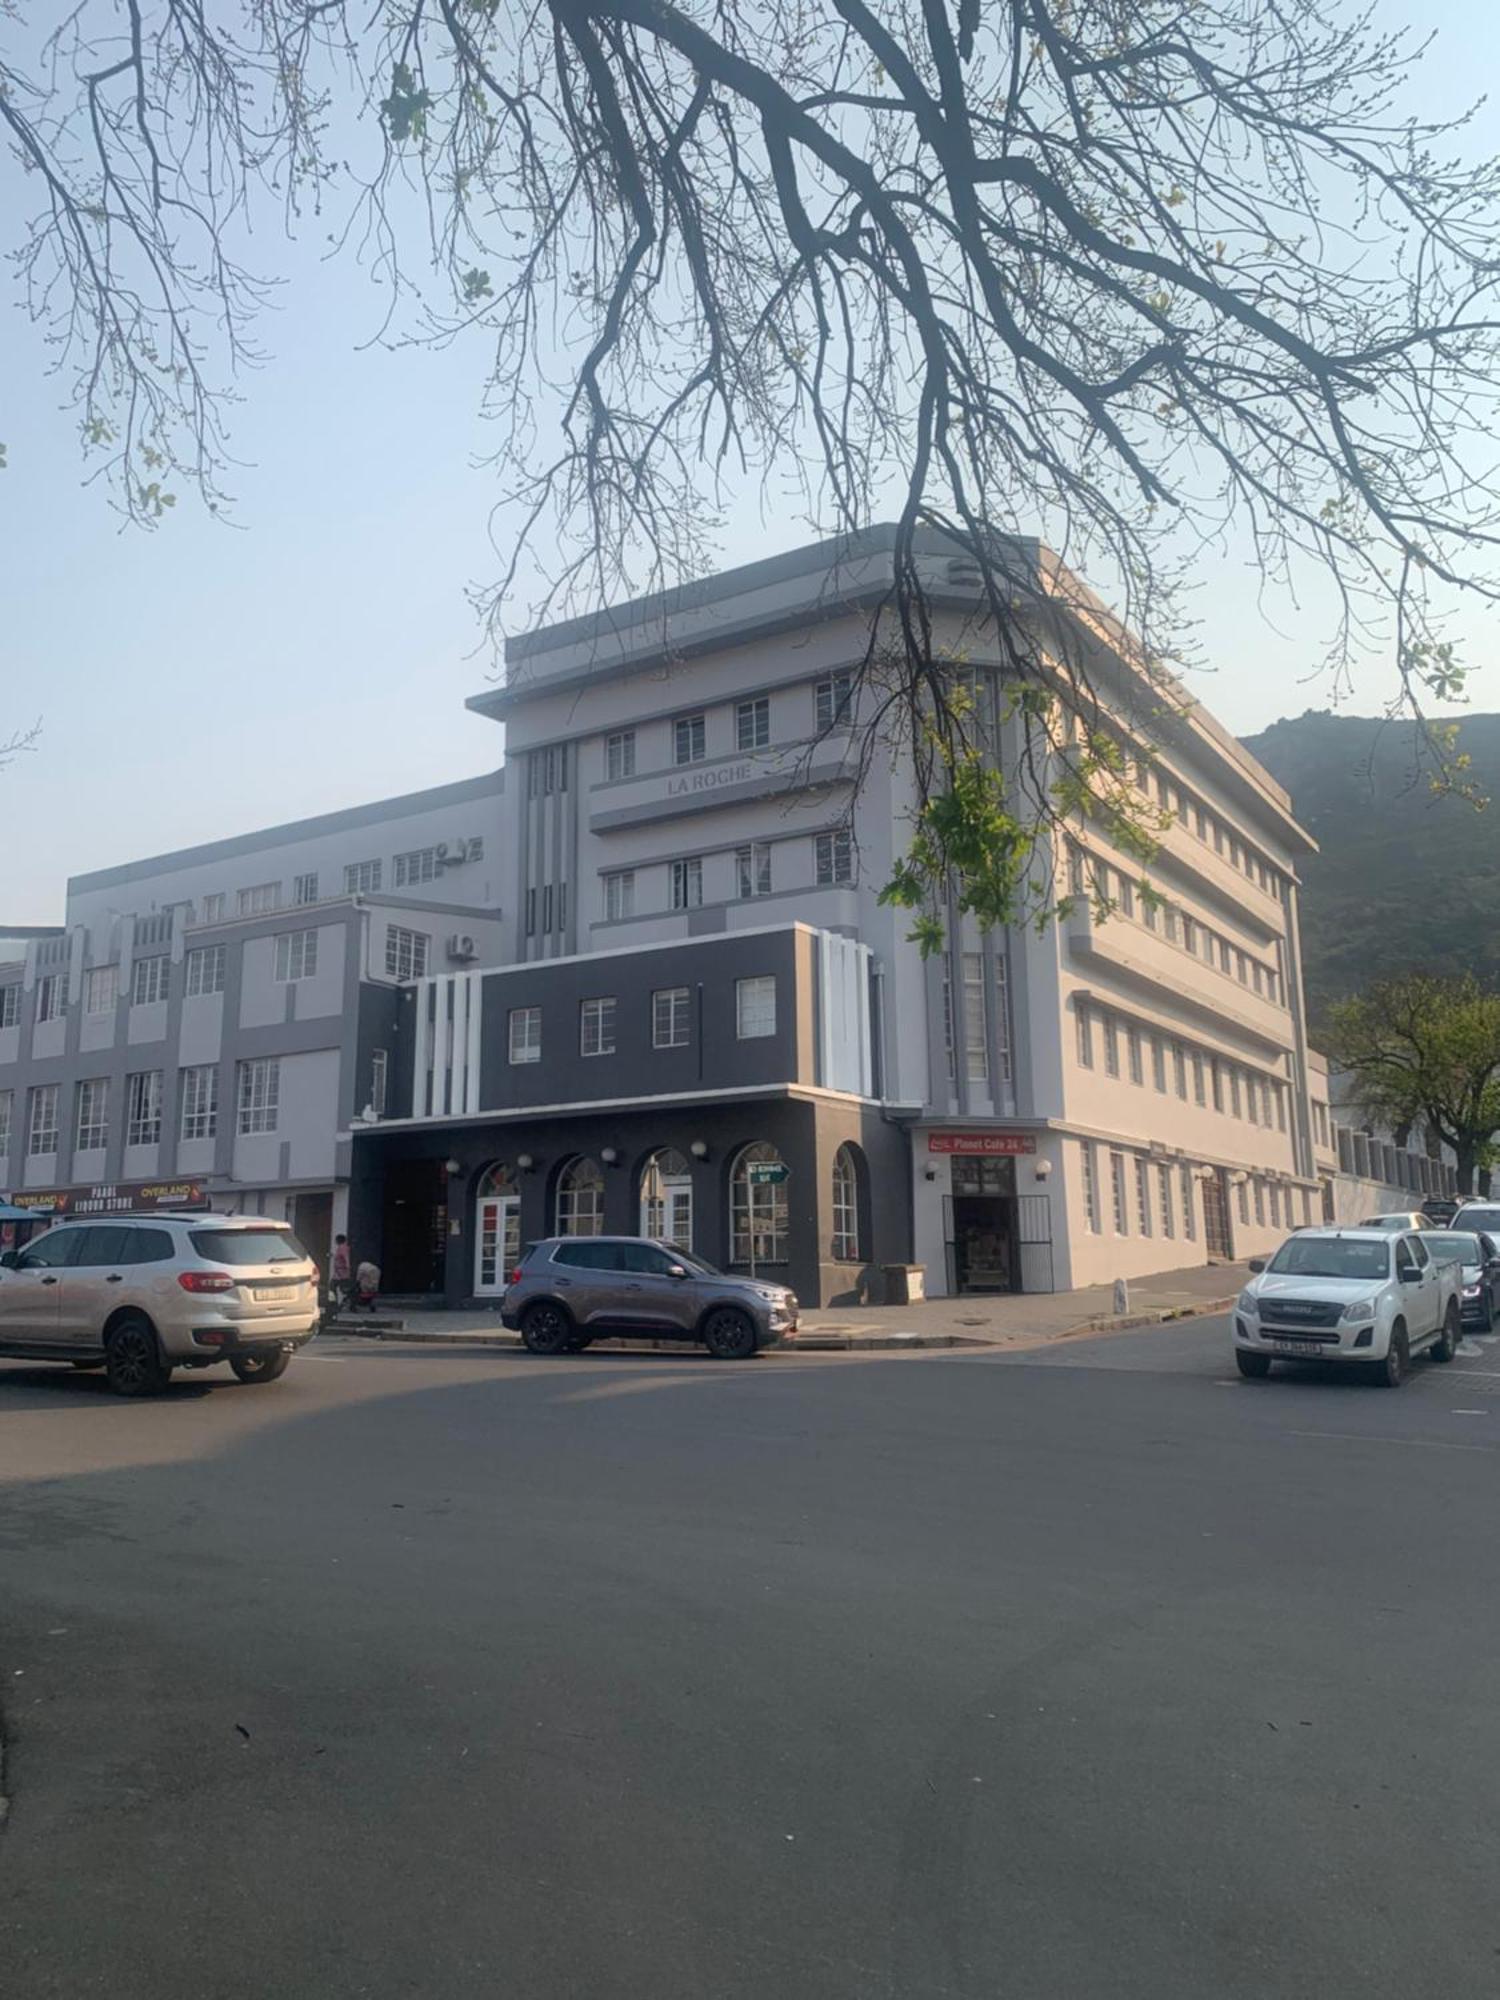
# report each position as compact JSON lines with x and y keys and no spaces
{"x":140,"y":1296}
{"x":569,"y":1290}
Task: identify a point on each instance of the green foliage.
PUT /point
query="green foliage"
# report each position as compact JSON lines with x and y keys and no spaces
{"x":1427,"y":1048}
{"x":405,"y":110}
{"x":1408,"y":873}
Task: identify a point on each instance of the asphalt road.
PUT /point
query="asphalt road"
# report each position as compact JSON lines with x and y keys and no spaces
{"x":1089,"y":1673}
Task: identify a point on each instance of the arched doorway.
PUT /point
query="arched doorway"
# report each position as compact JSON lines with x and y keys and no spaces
{"x":846,"y":1246}
{"x":758,"y":1211}
{"x":497,"y":1231}
{"x":580,"y":1198}
{"x":667,"y":1198}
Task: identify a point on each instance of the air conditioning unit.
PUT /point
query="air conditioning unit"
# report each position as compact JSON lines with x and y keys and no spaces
{"x":462,"y":946}
{"x":453,"y":853}
{"x":441,"y":850}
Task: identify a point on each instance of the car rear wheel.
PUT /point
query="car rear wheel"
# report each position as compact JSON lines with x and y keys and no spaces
{"x":546,"y":1328}
{"x":261,"y":1367}
{"x":729,"y":1334}
{"x":132,"y":1358}
{"x":1448,"y":1339}
{"x":1254,"y":1367}
{"x":1391,"y":1372}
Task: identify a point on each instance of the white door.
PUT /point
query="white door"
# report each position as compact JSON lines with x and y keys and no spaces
{"x":497,"y":1243}
{"x":668,"y":1212}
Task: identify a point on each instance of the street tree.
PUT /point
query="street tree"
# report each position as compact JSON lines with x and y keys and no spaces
{"x":1156,"y":279}
{"x":1426,"y":1050}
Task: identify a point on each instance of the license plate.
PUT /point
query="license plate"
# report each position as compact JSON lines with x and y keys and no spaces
{"x":1302,"y":1347}
{"x":269,"y":1295}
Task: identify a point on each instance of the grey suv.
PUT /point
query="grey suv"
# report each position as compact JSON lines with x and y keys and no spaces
{"x":569,"y":1290}
{"x":141,"y":1296}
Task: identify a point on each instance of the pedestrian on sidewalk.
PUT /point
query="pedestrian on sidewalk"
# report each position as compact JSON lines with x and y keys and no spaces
{"x":366,"y":1285}
{"x":338,"y":1280}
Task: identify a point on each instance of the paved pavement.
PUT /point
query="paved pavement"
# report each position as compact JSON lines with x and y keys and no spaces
{"x":1091,"y":1673}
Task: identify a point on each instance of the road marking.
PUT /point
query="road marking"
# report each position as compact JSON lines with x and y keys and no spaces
{"x":1469,"y":1413}
{"x":1427,"y":1444}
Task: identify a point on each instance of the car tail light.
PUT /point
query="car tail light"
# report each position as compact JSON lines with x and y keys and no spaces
{"x":515,"y":1276}
{"x":205,"y":1281}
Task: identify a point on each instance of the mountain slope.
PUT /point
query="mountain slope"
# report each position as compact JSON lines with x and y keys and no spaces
{"x":1404,"y":880}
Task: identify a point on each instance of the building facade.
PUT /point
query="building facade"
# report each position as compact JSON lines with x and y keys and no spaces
{"x":213,"y":1020}
{"x":1122,"y":1091}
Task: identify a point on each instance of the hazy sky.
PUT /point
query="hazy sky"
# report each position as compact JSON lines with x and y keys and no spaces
{"x":207,"y":679}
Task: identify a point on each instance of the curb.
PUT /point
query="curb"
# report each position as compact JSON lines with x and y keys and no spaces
{"x":817,"y":1343}
{"x":1200,"y":1309}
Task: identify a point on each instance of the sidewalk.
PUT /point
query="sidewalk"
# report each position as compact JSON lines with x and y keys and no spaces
{"x":1031,"y":1320}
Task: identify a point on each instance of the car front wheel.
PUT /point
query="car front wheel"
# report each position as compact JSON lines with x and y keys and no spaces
{"x":546,"y":1328}
{"x":1391,"y":1372}
{"x":729,"y":1334}
{"x":1254,"y":1367}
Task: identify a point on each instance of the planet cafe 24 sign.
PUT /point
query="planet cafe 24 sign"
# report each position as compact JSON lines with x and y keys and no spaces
{"x":981,"y":1142}
{"x":113,"y":1198}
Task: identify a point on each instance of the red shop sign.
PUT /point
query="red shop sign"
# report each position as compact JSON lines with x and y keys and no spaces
{"x":981,"y":1142}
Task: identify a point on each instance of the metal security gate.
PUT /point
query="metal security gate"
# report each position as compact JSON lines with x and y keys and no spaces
{"x":1034,"y":1235}
{"x":1216,"y":1236}
{"x":1026,"y":1221}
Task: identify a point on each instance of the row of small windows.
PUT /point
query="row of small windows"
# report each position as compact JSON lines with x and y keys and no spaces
{"x":1154,"y":1197}
{"x":1243,"y":1092}
{"x":409,"y":869}
{"x":257,"y":1106}
{"x":1125,"y":897}
{"x":671,"y":1020}
{"x":407,"y":953}
{"x":833,"y":701}
{"x":833,"y":866}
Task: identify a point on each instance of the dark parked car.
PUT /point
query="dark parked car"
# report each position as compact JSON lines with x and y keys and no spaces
{"x":1440,"y":1210}
{"x":569,"y":1290}
{"x":1478,"y":1254}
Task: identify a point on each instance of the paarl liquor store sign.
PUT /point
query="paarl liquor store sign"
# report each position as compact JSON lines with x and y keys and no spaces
{"x":113,"y":1198}
{"x":1009,"y":1143}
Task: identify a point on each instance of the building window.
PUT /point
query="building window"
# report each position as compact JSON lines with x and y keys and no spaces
{"x":687,"y":883}
{"x":1242,"y":1200}
{"x":143,"y":1108}
{"x":93,"y":1114}
{"x":596,"y":1026}
{"x":752,"y":868}
{"x":1198,"y":1095}
{"x":1234,"y":1094}
{"x":1111,"y":1046}
{"x":256,"y":902}
{"x":1159,"y":1064}
{"x":362,"y":878}
{"x":1216,"y":1082}
{"x":296,"y":956}
{"x":1260,"y":1201}
{"x":547,"y":771}
{"x":7,"y":1098}
{"x":1133,"y":1050}
{"x":1242,"y":968}
{"x":525,"y":1034}
{"x":10,"y":1004}
{"x":1189,"y":935}
{"x":670,"y":1017}
{"x":666,"y":1202}
{"x":833,"y":699}
{"x":1164,"y":1187}
{"x":205,"y":969}
{"x":752,"y":724}
{"x":689,"y":739}
{"x":580,"y":1199}
{"x":757,"y":1209}
{"x":148,"y":980}
{"x":1280,"y":1096}
{"x":619,"y":754}
{"x":547,"y":907}
{"x":419,"y":864}
{"x":1127,"y":897}
{"x":755,"y":1007}
{"x":1084,"y":1020}
{"x":976,"y":1020}
{"x":304,"y":888}
{"x":41,"y":1125}
{"x":380,"y":1072}
{"x":1226,"y":956}
{"x":259,"y":1094}
{"x":1090,"y":1189}
{"x":619,"y":895}
{"x":406,"y":953}
{"x":531,"y":913}
{"x":948,"y":1026}
{"x":52,"y":997}
{"x":213,"y":908}
{"x":1077,"y":880}
{"x":1189,"y":1210}
{"x":1143,"y":1195}
{"x":101,"y":989}
{"x":1179,"y":1070}
{"x":834,"y":858}
{"x":845,"y":1207}
{"x":1117,"y":1193}
{"x":1001,"y":1035}
{"x":199,"y":1098}
{"x":1148,"y":911}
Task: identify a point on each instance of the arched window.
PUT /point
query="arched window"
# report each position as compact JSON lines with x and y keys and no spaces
{"x":497,"y":1230}
{"x":667,"y":1198}
{"x":580,"y":1199}
{"x":757,"y":1208}
{"x":845,"y":1206}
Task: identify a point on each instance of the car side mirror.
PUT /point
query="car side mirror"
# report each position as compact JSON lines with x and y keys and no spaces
{"x":676,"y":1270}
{"x":1257,"y":1263}
{"x":8,"y":1259}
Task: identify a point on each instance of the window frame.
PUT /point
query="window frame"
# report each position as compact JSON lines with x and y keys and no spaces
{"x":752,"y":870}
{"x":598,"y":1023}
{"x":152,"y":989}
{"x":363,"y":878}
{"x":679,"y":999}
{"x":402,"y":942}
{"x":833,"y":858}
{"x":305,"y":889}
{"x":833,"y":701}
{"x":690,"y":737}
{"x":90,"y":1122}
{"x":257,"y":1111}
{"x":93,"y":978}
{"x":197,"y":1102}
{"x":619,"y":756}
{"x":522,"y":1046}
{"x":687,"y":882}
{"x":757,"y":711}
{"x":296,"y":957}
{"x":201,"y":956}
{"x":744,"y":1000}
{"x":143,"y":1100}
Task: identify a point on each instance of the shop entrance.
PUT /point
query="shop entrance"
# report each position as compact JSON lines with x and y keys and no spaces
{"x":982,"y":1233}
{"x":415,"y":1228}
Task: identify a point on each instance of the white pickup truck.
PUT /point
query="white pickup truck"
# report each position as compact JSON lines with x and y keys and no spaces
{"x":1358,"y":1295}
